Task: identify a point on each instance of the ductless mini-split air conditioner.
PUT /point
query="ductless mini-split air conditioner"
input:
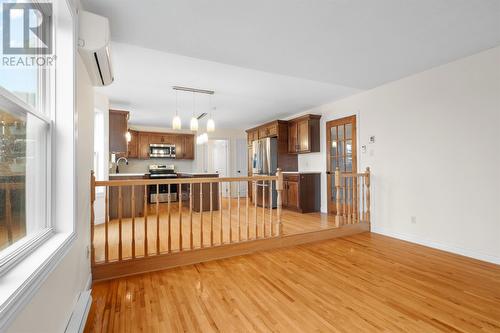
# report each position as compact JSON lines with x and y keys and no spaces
{"x":94,"y":39}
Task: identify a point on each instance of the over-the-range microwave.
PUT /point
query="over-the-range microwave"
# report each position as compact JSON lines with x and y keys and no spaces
{"x":161,"y":150}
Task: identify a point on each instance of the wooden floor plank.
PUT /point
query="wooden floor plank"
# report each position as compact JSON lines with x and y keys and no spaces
{"x":361,"y":283}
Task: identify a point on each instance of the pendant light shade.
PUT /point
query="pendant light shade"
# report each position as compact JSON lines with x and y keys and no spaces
{"x":210,"y":125}
{"x":176,"y":123}
{"x":194,"y":124}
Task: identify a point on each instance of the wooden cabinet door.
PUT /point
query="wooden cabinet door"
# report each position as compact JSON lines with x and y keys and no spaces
{"x":179,"y":147}
{"x":189,"y":147}
{"x":118,"y":126}
{"x":292,"y":194}
{"x":284,"y":199}
{"x":303,"y":135}
{"x":292,"y":138}
{"x":133,"y":145}
{"x":156,"y":138}
{"x":143,"y":147}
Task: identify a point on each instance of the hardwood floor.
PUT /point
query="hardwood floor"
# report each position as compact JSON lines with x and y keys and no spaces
{"x":293,"y":223}
{"x":360,"y":283}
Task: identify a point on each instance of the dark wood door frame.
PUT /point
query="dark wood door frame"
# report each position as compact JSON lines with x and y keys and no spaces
{"x":331,"y":207}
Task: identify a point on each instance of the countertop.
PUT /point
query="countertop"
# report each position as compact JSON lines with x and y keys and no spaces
{"x":198,"y":174}
{"x":128,"y":174}
{"x":301,"y":172}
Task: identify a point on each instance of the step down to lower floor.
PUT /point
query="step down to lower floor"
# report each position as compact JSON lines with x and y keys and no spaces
{"x":164,"y":261}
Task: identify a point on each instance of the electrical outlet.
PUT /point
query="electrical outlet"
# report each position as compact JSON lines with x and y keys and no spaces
{"x":413,"y":220}
{"x":87,"y":252}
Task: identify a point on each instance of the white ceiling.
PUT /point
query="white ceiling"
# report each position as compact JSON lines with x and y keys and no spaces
{"x":341,"y":43}
{"x":243,"y":97}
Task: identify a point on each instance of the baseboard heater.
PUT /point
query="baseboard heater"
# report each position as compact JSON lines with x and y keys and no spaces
{"x":80,"y":313}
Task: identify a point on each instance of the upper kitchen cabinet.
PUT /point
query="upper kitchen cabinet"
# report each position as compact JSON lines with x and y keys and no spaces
{"x":184,"y":146}
{"x":143,"y":148}
{"x":133,"y":145}
{"x":118,"y":126}
{"x":303,"y":134}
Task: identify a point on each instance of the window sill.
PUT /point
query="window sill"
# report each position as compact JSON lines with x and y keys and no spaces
{"x":19,"y":284}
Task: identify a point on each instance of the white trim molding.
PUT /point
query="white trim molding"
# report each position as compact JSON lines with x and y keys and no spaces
{"x":439,"y":246}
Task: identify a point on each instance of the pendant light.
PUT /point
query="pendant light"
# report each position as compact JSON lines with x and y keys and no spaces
{"x":176,"y":122}
{"x":210,"y":121}
{"x":194,"y":120}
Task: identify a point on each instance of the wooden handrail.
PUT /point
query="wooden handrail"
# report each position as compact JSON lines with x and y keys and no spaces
{"x":129,"y":182}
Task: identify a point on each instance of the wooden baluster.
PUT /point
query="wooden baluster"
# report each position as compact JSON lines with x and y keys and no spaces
{"x":363,"y":199}
{"x":337,"y":199}
{"x":221,"y":230}
{"x":106,"y":224}
{"x":247,"y":220}
{"x":8,"y":212}
{"x":271,"y":207}
{"x":157,"y":218}
{"x":179,"y":190}
{"x":264,"y":208}
{"x":120,"y":212}
{"x":201,"y":215}
{"x":343,"y":182}
{"x":230,"y":215}
{"x":169,"y":221}
{"x":145,"y":220}
{"x":133,"y":222}
{"x":191,"y":216}
{"x":255,"y":209}
{"x":239,"y":217}
{"x":349,"y":201}
{"x":279,"y":189}
{"x":355,"y":212}
{"x":368,"y":217}
{"x":211,"y":217}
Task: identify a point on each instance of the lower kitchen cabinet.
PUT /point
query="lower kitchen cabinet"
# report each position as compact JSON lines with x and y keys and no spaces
{"x":302,"y":191}
{"x":114,"y":198}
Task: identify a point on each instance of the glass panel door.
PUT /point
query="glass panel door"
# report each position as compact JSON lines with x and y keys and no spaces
{"x":341,"y":140}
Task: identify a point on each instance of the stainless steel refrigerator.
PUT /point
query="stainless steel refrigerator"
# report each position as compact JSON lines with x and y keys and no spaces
{"x":265,"y":162}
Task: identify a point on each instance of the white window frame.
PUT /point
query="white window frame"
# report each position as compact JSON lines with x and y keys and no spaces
{"x":26,"y":272}
{"x":10,"y":256}
{"x":20,"y":249}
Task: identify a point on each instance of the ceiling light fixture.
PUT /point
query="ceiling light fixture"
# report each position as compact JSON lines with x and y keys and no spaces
{"x":176,"y":122}
{"x":194,"y":120}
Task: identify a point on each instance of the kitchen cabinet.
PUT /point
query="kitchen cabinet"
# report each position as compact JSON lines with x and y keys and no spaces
{"x":302,"y":191}
{"x":303,"y":134}
{"x":126,"y":198}
{"x":202,"y":203}
{"x":184,"y":144}
{"x":184,"y":147}
{"x":133,"y":145}
{"x":143,"y":148}
{"x":118,"y":126}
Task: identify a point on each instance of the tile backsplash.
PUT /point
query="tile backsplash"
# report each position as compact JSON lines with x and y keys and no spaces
{"x":139,"y":166}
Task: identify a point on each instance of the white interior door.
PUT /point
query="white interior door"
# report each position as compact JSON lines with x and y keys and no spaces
{"x":218,"y":160}
{"x":240,"y":164}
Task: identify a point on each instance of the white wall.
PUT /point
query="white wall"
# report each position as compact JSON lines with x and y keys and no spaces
{"x":436,"y":155}
{"x":51,"y":307}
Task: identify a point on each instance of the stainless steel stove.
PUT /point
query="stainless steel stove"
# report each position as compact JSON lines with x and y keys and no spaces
{"x":157,"y":171}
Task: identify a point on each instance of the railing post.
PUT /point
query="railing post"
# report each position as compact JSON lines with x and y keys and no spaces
{"x":279,"y":189}
{"x":337,"y":198}
{"x":368,"y":194}
{"x":92,"y":217}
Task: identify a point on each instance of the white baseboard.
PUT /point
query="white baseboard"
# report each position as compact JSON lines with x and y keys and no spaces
{"x":440,"y":246}
{"x":88,"y":284}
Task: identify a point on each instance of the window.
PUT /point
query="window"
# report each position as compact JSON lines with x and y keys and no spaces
{"x":25,"y":154}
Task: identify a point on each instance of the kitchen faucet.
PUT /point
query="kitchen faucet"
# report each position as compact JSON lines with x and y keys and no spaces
{"x":118,"y":161}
